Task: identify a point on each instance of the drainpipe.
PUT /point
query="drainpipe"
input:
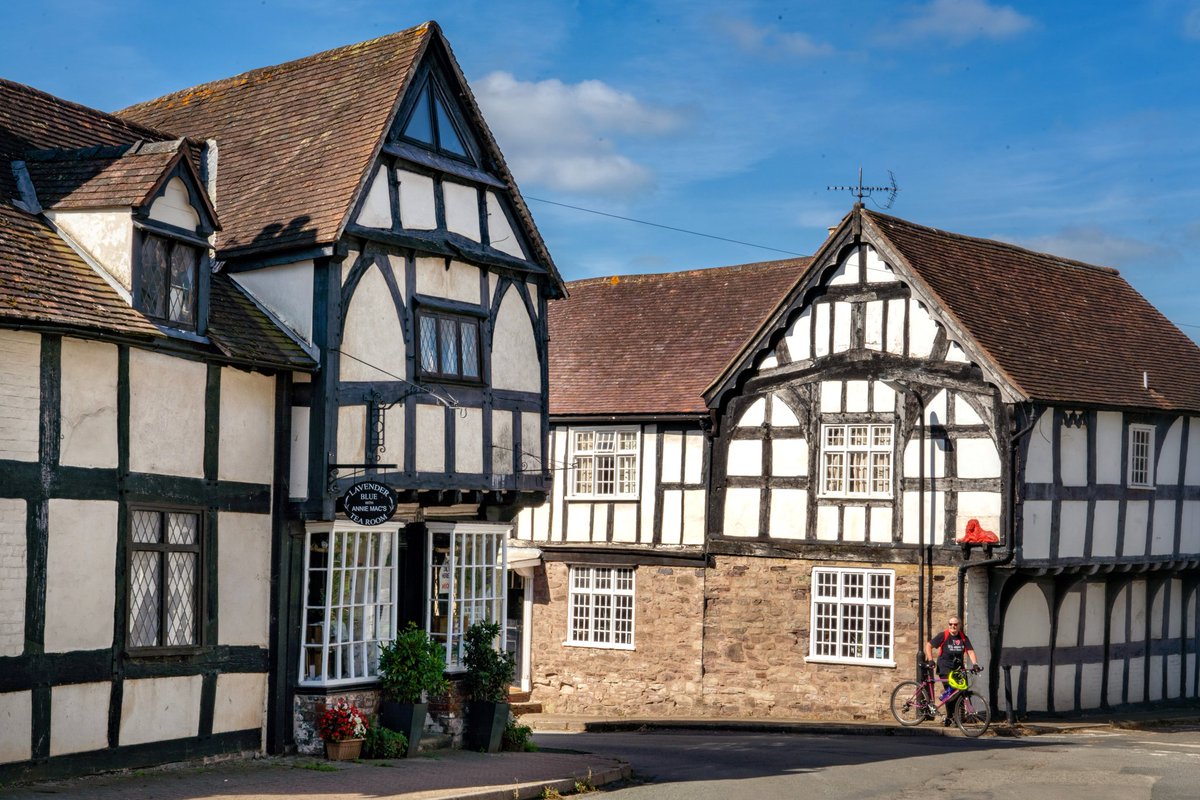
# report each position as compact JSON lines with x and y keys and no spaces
{"x":1010,"y":505}
{"x":921,"y":637}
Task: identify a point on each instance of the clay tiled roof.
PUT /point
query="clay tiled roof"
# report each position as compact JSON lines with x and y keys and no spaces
{"x":650,"y":344}
{"x":98,"y":177}
{"x":44,"y":282}
{"x":1059,"y":330}
{"x":294,"y":140}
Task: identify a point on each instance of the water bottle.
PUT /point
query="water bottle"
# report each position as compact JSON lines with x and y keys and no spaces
{"x":946,"y":695}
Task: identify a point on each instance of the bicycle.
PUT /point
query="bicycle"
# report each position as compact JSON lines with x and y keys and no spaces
{"x":912,"y":701}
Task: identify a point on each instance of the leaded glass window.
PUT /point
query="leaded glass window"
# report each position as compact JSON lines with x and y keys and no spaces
{"x":856,"y":460}
{"x":164,"y":565}
{"x":604,"y":462}
{"x":600,"y":607}
{"x":167,"y":280}
{"x":449,"y":346}
{"x":350,"y":603}
{"x":852,"y":611}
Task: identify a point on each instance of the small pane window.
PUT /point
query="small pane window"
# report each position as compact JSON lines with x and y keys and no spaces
{"x":600,"y":607}
{"x":466,"y":578}
{"x":1141,"y":456}
{"x":163,"y":579}
{"x":852,"y":616}
{"x":350,"y":604}
{"x":449,"y":346}
{"x":856,"y":461}
{"x":604,"y":463}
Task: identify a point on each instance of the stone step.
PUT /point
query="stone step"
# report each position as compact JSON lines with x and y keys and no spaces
{"x":516,"y":696}
{"x":525,"y":708}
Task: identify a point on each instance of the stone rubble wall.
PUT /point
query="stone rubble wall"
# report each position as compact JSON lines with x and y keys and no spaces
{"x":729,"y":641}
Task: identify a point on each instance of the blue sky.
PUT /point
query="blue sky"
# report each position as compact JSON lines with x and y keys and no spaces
{"x":1068,"y":127}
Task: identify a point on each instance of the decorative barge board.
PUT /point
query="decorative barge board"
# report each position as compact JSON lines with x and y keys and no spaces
{"x":396,"y":248}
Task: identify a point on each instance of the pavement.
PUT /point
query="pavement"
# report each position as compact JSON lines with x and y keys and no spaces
{"x":464,"y":775}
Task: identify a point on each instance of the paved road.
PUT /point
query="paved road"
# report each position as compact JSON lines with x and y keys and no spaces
{"x":1103,"y":765}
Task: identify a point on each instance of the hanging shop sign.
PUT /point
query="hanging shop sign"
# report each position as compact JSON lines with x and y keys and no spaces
{"x":369,"y":503}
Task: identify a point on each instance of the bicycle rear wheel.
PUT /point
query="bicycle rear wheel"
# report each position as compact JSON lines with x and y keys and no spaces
{"x":909,"y":703}
{"x":972,"y":714}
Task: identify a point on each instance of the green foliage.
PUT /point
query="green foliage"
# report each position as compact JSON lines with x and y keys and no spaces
{"x":489,"y":671}
{"x":411,"y":664}
{"x":384,"y":743}
{"x":518,"y":737}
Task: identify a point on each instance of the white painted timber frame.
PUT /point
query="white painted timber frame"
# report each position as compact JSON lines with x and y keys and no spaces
{"x":880,"y":463}
{"x":470,"y":594}
{"x":576,"y":456}
{"x":621,"y":587}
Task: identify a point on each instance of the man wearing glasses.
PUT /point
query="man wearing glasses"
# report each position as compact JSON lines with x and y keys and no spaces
{"x":951,"y":645}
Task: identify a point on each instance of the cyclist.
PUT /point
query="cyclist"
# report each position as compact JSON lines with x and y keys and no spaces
{"x":952,"y":644}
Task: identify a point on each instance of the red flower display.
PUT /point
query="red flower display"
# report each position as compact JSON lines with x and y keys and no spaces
{"x":342,"y":721}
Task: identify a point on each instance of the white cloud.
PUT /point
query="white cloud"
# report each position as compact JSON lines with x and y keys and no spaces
{"x":959,"y":22}
{"x":557,"y":135}
{"x":1093,"y":245}
{"x":769,"y":40}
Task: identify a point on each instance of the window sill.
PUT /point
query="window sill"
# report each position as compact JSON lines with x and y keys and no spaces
{"x":603,"y":498}
{"x":850,"y":662}
{"x":599,"y":646}
{"x":341,"y":684}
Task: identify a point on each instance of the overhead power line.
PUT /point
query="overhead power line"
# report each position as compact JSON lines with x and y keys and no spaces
{"x":664,"y":227}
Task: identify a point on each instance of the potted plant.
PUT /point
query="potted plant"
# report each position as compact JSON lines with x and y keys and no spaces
{"x":412,"y":670}
{"x":489,"y":673}
{"x":343,"y":727}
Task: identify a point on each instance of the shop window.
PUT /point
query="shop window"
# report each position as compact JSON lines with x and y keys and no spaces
{"x":466,"y":582}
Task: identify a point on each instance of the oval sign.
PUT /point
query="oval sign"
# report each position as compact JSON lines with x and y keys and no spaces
{"x":369,"y":503}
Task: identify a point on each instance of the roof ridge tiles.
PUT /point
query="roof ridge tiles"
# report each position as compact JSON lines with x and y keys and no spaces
{"x":685,"y":273}
{"x":996,"y":243}
{"x":269,"y":71}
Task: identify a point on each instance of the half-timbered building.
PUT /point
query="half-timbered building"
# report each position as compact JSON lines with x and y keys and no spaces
{"x":139,"y":397}
{"x":367,"y":207}
{"x":912,"y":385}
{"x":219,"y":310}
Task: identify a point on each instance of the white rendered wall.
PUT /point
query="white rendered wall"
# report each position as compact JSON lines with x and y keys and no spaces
{"x":459,"y":281}
{"x":286,"y":291}
{"x":462,"y":209}
{"x":240,"y":702}
{"x":515,"y":362}
{"x":741,"y":512}
{"x":243,"y":578}
{"x":1027,"y":624}
{"x":12,"y":576}
{"x":20,"y":394}
{"x":16,"y":717}
{"x":468,"y":440}
{"x":298,"y":474}
{"x":376,"y":211}
{"x":431,"y":438}
{"x":418,"y":209}
{"x":531,"y":440}
{"x":1073,"y":453}
{"x":922,"y":329}
{"x":372,"y":333}
{"x":693,"y":463}
{"x":246,"y":441}
{"x":789,"y":513}
{"x":79,"y":717}
{"x":80,"y":564}
{"x":1109,"y":467}
{"x":799,"y":337}
{"x":500,"y":233}
{"x":166,"y":414}
{"x":502,"y":442}
{"x":160,"y":709}
{"x":106,"y":235}
{"x":645,"y":490}
{"x":89,"y":404}
{"x":672,"y":457}
{"x":694,"y":501}
{"x":352,"y":434}
{"x":174,"y":207}
{"x":672,"y":517}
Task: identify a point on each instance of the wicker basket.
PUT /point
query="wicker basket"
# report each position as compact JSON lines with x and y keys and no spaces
{"x":345,"y":750}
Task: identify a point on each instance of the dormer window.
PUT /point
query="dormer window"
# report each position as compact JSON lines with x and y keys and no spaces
{"x":167,"y":280}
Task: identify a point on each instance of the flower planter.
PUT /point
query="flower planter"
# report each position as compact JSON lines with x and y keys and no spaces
{"x":406,"y":718}
{"x":484,"y":729}
{"x":345,"y":750}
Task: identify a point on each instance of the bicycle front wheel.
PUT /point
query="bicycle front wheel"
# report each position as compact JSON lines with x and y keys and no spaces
{"x":909,"y":703}
{"x":972,"y":714}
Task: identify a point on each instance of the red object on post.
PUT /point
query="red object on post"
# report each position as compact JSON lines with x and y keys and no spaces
{"x":975,"y":534}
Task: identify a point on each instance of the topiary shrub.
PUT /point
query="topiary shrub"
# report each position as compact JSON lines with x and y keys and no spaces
{"x":489,"y":671}
{"x":412,"y":664}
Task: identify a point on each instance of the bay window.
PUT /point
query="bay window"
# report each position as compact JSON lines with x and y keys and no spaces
{"x":466,"y":582}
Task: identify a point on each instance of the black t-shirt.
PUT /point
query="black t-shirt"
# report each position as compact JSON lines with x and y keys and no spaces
{"x":953,"y":647}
